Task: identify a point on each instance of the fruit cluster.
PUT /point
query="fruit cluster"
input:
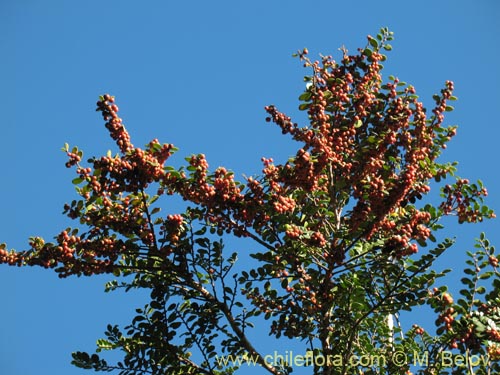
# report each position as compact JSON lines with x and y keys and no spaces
{"x":114,"y":123}
{"x":370,"y":137}
{"x":418,"y":330}
{"x":462,"y":199}
{"x":172,"y":228}
{"x":9,"y":257}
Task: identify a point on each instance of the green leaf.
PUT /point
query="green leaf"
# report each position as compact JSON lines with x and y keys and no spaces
{"x":467,"y":282}
{"x":449,"y":108}
{"x":104,"y":344}
{"x":374,"y":43}
{"x":468,"y":271}
{"x":486,"y":275}
{"x":306,"y":96}
{"x":462,"y":303}
{"x":466,"y":293}
{"x":388,"y":47}
{"x":175,"y":325}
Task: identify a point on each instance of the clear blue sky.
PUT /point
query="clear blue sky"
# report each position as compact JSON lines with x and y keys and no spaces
{"x":196,"y":74}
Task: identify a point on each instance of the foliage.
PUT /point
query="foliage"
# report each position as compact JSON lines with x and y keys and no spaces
{"x":344,"y":235}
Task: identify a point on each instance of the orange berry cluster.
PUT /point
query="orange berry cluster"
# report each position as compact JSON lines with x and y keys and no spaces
{"x":114,"y":123}
{"x":446,"y":316}
{"x":370,"y":137}
{"x":462,"y":199}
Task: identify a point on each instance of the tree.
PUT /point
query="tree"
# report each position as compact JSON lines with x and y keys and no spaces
{"x":344,"y":237}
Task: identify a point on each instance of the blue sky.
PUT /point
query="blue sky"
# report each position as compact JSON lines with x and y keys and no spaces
{"x":196,"y":74}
